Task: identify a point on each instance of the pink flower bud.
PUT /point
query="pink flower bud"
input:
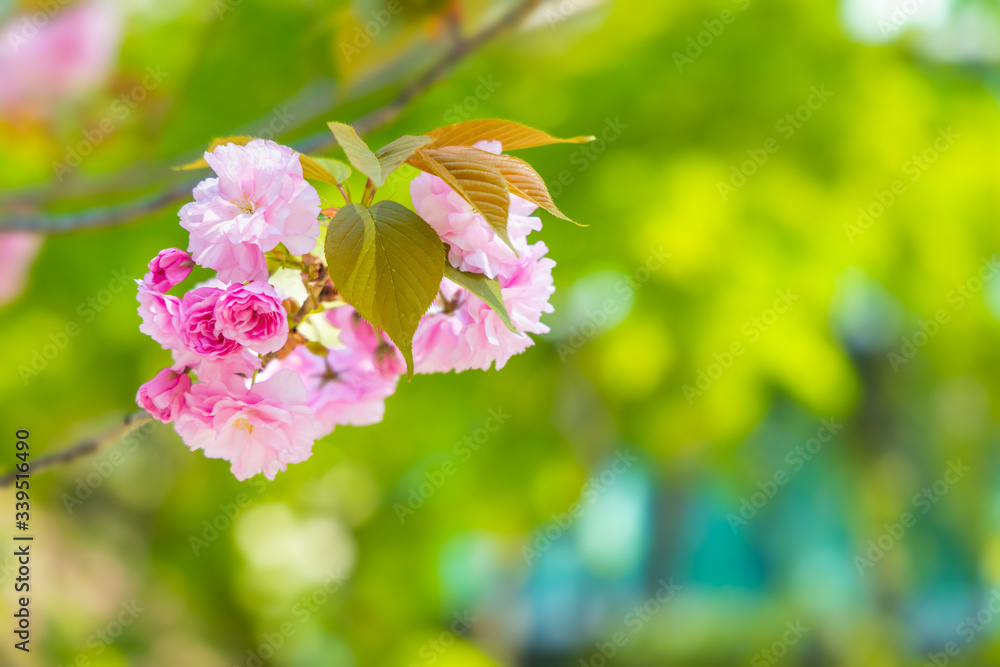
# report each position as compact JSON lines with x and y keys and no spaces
{"x":167,"y":269}
{"x":163,"y":396}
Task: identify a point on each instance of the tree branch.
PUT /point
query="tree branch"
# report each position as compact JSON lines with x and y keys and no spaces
{"x":108,"y":216}
{"x":131,"y":422}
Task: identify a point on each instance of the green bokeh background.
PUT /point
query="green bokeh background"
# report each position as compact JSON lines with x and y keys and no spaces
{"x":494,"y":542}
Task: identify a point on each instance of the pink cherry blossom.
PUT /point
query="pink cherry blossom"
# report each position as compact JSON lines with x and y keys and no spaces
{"x":159,"y":313}
{"x":169,"y":268}
{"x":198,"y":328}
{"x":358,"y":335}
{"x":258,"y":430}
{"x":474,"y":246}
{"x":163,"y":396}
{"x":258,"y":200}
{"x":17,"y":252}
{"x":349,"y":385}
{"x":68,"y":55}
{"x":188,"y":328}
{"x":252,"y":315}
{"x":463,"y":333}
{"x":345,"y":387}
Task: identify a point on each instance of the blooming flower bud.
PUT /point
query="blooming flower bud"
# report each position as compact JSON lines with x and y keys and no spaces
{"x":198,"y":329}
{"x":163,"y":396}
{"x":258,"y":200}
{"x":252,"y":315}
{"x":259,"y":430}
{"x":167,"y":269}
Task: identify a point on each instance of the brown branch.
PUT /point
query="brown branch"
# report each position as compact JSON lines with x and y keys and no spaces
{"x":117,"y":214}
{"x":131,"y":422}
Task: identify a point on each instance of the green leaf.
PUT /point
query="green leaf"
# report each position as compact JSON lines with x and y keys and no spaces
{"x":512,"y":135}
{"x":340,"y":171}
{"x":387,"y":263}
{"x":487,"y":289}
{"x":357,"y":151}
{"x":478,"y":182}
{"x":200,"y":163}
{"x":394,"y":154}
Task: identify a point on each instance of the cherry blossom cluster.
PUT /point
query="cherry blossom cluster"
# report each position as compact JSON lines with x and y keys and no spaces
{"x":266,"y":356}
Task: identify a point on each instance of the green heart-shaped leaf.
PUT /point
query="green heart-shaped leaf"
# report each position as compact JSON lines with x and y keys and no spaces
{"x":386,"y":262}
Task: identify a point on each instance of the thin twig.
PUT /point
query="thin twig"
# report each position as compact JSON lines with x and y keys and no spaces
{"x":131,"y":422}
{"x":117,"y":214}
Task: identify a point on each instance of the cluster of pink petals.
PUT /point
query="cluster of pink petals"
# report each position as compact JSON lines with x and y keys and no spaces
{"x":260,"y":429}
{"x":258,"y":200}
{"x":56,"y":53}
{"x":218,"y":393}
{"x":217,"y":330}
{"x":460,"y":332}
{"x":350,"y":384}
{"x":212,"y":326}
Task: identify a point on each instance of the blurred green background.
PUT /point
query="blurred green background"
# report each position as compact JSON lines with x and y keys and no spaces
{"x":762,"y":428}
